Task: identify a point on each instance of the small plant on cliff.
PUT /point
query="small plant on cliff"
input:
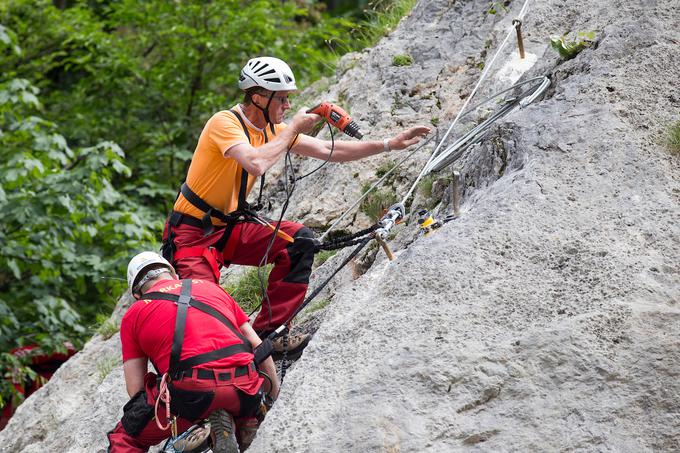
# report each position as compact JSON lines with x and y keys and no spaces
{"x":247,"y":291}
{"x":569,"y":48}
{"x":105,"y":366}
{"x":323,"y":256}
{"x":107,"y":327}
{"x":494,"y":7}
{"x":402,"y":60}
{"x":376,"y":202}
{"x":673,"y":138}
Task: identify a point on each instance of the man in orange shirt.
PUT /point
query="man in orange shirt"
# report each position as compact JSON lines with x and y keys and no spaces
{"x":213,"y":225}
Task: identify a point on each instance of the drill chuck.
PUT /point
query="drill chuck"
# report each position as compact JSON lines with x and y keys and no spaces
{"x":352,"y":129}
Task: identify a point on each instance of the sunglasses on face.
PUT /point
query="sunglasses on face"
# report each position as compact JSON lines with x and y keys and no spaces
{"x":281,"y":98}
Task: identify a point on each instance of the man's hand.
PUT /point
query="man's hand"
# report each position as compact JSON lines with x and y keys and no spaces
{"x":304,"y":122}
{"x":408,"y":137}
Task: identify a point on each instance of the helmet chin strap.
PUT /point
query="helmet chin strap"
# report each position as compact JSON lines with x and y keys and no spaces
{"x":265,"y":110}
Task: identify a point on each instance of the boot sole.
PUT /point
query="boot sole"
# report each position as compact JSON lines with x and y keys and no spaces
{"x":222,"y":431}
{"x":292,"y":354}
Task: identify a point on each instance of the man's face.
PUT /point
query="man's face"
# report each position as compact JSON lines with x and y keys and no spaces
{"x":278,"y":106}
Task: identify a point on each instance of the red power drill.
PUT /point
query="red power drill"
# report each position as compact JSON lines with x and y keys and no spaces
{"x":339,"y":118}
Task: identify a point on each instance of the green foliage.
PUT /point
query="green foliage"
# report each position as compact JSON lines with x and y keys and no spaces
{"x":323,"y":256}
{"x":64,"y":228}
{"x":494,"y":7}
{"x":402,"y":60}
{"x":15,"y":370}
{"x":247,"y":291}
{"x":569,"y":48}
{"x":107,"y":326}
{"x":673,"y":138}
{"x":105,"y":366}
{"x":377,"y":201}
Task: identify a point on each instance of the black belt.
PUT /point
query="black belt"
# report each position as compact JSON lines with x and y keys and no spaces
{"x":177,"y":218}
{"x":201,"y":373}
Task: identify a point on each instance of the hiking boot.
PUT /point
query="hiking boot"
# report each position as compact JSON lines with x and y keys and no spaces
{"x":222,"y":432}
{"x":192,"y":439}
{"x":247,"y":429}
{"x":296,"y":343}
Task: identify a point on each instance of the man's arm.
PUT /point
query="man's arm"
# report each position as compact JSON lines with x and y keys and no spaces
{"x":134,"y":371}
{"x":346,"y":150}
{"x":268,"y":365}
{"x":256,"y":161}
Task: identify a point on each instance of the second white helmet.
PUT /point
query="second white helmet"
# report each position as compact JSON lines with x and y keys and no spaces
{"x":143,"y":262}
{"x":267,"y":72}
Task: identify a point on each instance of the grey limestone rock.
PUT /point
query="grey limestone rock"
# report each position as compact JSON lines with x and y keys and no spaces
{"x":544,"y":318}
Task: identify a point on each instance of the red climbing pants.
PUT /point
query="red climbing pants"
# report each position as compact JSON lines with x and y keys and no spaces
{"x":247,"y":245}
{"x":233,"y":395}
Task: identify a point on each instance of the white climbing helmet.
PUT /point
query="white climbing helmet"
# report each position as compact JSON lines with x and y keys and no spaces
{"x":142,"y":262}
{"x":267,"y":72}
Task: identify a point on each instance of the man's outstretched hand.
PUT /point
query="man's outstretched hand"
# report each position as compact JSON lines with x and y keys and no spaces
{"x":408,"y":137}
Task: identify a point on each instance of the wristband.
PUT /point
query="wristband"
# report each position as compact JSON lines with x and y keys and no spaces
{"x":386,"y":146}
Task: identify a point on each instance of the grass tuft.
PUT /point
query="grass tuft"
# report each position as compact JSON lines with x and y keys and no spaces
{"x":377,"y":202}
{"x":673,"y":138}
{"x":107,"y":326}
{"x":323,"y":256}
{"x":105,"y":366}
{"x":319,"y":305}
{"x":402,"y":60}
{"x":247,"y":291}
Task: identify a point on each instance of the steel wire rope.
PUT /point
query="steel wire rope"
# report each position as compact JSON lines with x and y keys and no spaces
{"x":401,"y":162}
{"x":370,"y":189}
{"x":455,"y":150}
{"x":460,"y":113}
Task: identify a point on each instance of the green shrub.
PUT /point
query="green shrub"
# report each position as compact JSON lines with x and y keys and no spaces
{"x":107,"y":326}
{"x":673,"y":138}
{"x":568,"y":49}
{"x":377,"y":202}
{"x":323,"y":256}
{"x":402,"y":60}
{"x":247,"y":291}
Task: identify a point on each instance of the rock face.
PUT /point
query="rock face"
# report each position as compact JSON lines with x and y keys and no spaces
{"x":544,"y":318}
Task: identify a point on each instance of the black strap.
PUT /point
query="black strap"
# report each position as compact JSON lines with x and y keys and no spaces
{"x":184,"y":301}
{"x":180,"y":323}
{"x":242,"y":191}
{"x":200,"y":204}
{"x":197,"y":304}
{"x":203,"y":206}
{"x":213,"y":355}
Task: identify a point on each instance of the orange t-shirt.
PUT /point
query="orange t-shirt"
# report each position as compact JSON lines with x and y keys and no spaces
{"x":214,"y":177}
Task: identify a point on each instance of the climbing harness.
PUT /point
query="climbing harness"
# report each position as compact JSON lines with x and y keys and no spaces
{"x":227,"y":241}
{"x":178,"y":368}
